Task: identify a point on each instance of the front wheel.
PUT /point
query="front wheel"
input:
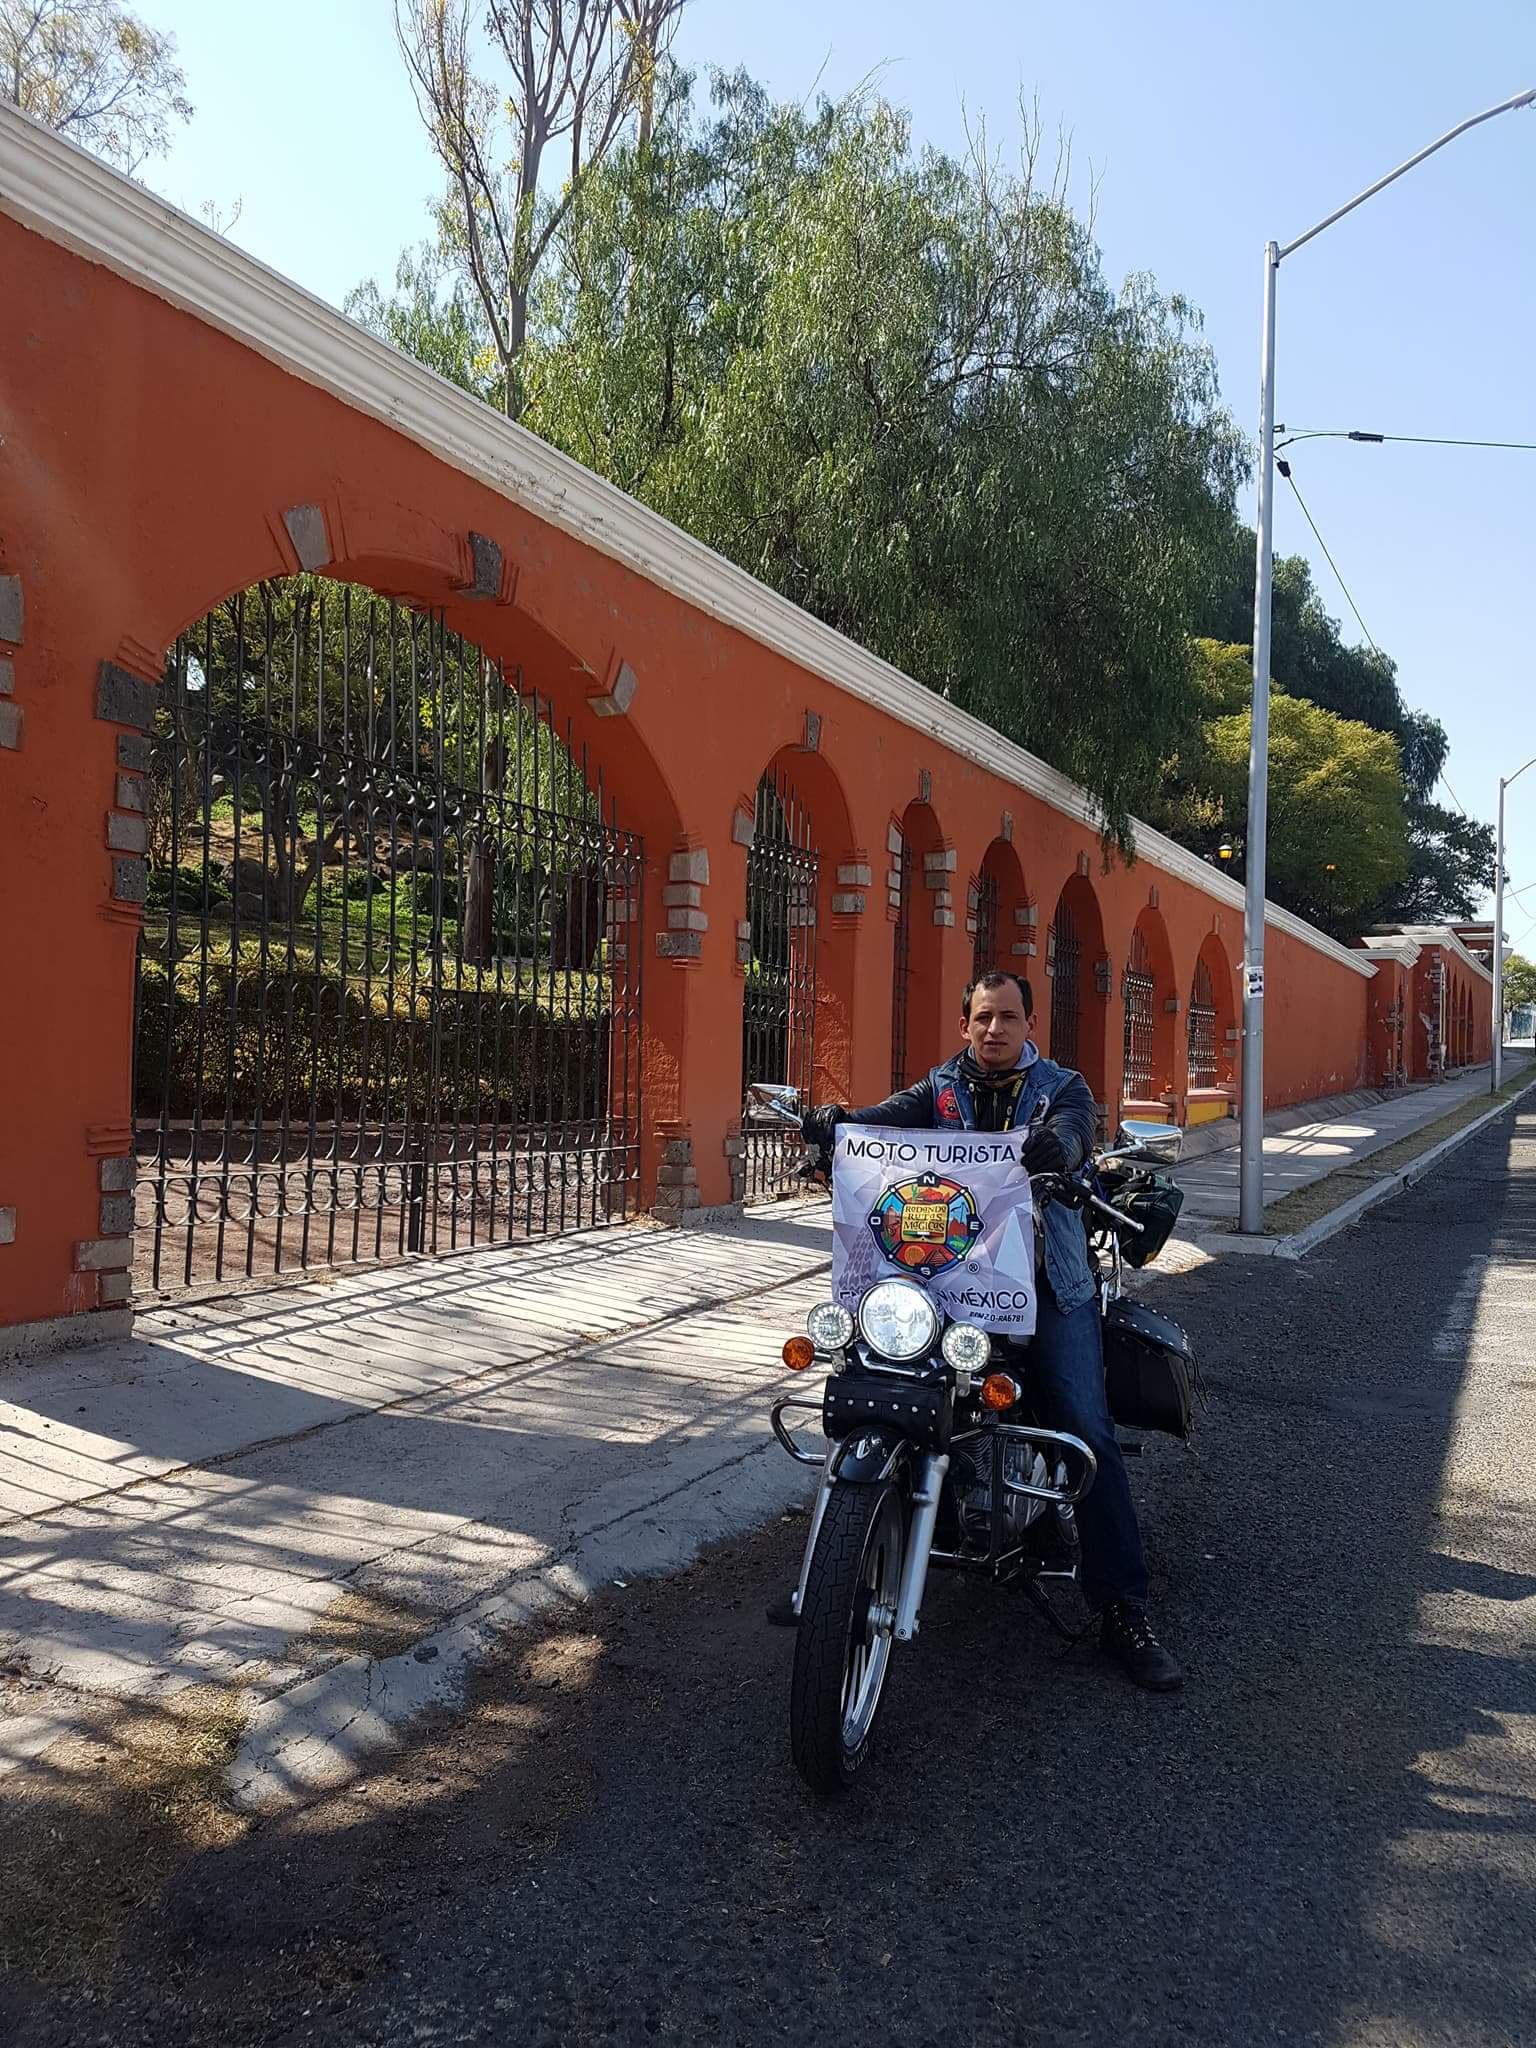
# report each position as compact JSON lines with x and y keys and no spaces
{"x":843,"y":1644}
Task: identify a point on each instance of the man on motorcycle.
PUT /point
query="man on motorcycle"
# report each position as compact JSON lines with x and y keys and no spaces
{"x":1000,"y":1082}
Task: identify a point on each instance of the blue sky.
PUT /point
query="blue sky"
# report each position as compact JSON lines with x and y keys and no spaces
{"x":1209,"y":126}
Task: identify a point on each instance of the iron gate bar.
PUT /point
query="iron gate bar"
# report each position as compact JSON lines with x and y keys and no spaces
{"x":779,"y":997}
{"x":1140,"y":991}
{"x":901,"y":968}
{"x":1202,"y":1030}
{"x":1065,"y":950}
{"x":983,"y":953}
{"x":311,"y":1027}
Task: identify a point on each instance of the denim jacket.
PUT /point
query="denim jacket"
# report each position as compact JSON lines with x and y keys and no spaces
{"x":943,"y":1098}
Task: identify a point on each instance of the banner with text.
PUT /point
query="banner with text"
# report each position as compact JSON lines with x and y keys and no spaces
{"x":949,"y":1209}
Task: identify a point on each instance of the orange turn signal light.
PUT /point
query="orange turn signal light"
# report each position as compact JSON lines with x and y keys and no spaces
{"x":998,"y":1391}
{"x":799,"y":1352}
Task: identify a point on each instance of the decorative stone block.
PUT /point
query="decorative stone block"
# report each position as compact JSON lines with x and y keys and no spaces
{"x":743,"y":952}
{"x":743,"y":827}
{"x":1171,"y":1005}
{"x":132,"y":793}
{"x":122,"y":699}
{"x":104,"y":1255}
{"x":1026,"y":914}
{"x":116,"y":1215}
{"x":1152,"y":896}
{"x":893,"y":881}
{"x":485,"y":568}
{"x":680,"y":1176}
{"x":1005,"y":829}
{"x":115,"y":1287}
{"x":679,"y":946}
{"x":924,"y":786}
{"x":944,"y":917}
{"x":13,"y":611}
{"x":684,"y":920}
{"x":616,"y":700}
{"x":115,"y":1176}
{"x":130,"y":879}
{"x":855,"y":874}
{"x":942,"y":899}
{"x":689,"y":864}
{"x":305,"y":526}
{"x":7,"y":677}
{"x":127,"y":833}
{"x":1082,"y":863}
{"x":10,"y":723}
{"x":942,"y":862}
{"x":133,"y":753}
{"x":935,"y":878}
{"x":849,"y":904}
{"x":682,"y":893}
{"x":812,"y":732}
{"x":1022,"y":949}
{"x":7,"y":1226}
{"x":893,"y":839}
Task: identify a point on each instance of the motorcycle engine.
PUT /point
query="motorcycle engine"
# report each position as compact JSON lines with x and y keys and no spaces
{"x":971,"y":1471}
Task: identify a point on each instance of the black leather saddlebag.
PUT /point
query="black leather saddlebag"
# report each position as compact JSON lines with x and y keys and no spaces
{"x":1150,"y":1373}
{"x":855,"y":1401}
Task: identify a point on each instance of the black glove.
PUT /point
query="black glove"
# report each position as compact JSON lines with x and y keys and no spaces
{"x":819,"y":1126}
{"x":1043,"y":1152}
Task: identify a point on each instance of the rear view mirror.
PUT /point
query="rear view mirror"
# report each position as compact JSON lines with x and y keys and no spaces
{"x":1160,"y":1142}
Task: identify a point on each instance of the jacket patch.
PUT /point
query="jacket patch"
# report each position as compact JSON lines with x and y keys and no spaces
{"x":947,"y":1107}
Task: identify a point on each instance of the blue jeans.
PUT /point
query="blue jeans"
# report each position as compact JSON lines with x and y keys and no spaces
{"x":1068,"y":1365}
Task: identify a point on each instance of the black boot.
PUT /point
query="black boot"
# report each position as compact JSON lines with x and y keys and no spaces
{"x":780,"y":1613}
{"x":1126,"y":1635}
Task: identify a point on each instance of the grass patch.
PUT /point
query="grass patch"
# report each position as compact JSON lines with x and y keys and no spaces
{"x":1306,"y":1205}
{"x":95,"y":1826}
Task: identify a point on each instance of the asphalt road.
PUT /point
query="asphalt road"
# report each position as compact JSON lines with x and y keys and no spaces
{"x":1329,"y":1838}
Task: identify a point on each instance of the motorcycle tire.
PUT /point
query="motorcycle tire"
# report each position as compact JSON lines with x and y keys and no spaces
{"x":843,"y":1643}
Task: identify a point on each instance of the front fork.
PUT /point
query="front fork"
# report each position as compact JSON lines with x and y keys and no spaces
{"x":928,"y":1470}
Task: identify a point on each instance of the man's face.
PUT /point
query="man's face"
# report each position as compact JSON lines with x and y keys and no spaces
{"x":997,"y":1026}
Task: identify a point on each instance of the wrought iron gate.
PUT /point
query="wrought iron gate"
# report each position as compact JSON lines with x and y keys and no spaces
{"x":1065,"y":952}
{"x":984,"y":952}
{"x":1140,"y":992}
{"x":779,"y":1003}
{"x":1202,"y":1029}
{"x":901,"y":969}
{"x":387,"y":997}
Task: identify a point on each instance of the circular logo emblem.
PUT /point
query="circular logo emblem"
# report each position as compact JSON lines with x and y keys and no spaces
{"x":925,"y":1226}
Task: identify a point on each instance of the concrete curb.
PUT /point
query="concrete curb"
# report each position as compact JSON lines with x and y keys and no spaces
{"x":317,"y":1736}
{"x":1299,"y":1243}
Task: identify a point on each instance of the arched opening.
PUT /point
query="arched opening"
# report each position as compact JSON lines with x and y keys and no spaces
{"x":779,"y":1000}
{"x":388,"y":988}
{"x":1211,"y":1036}
{"x":1074,"y":947}
{"x":1147,"y":986}
{"x":999,"y":939}
{"x":916,"y":997}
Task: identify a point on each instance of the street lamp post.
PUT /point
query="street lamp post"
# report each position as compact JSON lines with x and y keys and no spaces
{"x":1251,"y":1180}
{"x":1496,"y":1076}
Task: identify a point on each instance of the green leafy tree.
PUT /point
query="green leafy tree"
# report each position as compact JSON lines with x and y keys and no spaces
{"x":1519,"y":983}
{"x":1338,"y":833}
{"x":93,"y":72}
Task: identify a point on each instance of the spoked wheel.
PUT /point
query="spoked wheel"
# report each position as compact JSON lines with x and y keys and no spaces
{"x":843,"y":1645}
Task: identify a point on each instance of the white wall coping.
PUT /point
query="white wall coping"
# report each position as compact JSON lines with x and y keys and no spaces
{"x":1405,"y":951}
{"x":68,"y":196}
{"x":1443,"y":937}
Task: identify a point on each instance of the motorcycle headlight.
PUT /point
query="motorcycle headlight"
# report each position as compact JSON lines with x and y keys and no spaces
{"x":966,"y":1348}
{"x":898,"y":1320}
{"x":829,"y":1326}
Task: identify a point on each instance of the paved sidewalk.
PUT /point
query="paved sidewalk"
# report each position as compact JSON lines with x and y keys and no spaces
{"x":1308,"y":1143}
{"x":301,"y":1490}
{"x":328,"y":1499}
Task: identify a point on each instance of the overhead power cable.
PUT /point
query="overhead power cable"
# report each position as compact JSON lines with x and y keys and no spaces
{"x":1413,"y":440}
{"x":1285,"y":470}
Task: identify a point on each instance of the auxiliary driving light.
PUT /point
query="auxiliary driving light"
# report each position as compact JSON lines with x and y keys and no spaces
{"x":998,"y":1392}
{"x":829,"y":1326}
{"x":965,"y":1347}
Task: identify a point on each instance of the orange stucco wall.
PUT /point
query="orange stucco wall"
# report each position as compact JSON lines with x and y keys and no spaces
{"x":146,"y":461}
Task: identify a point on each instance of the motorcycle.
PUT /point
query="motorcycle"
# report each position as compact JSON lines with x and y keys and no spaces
{"x":937,"y":1453}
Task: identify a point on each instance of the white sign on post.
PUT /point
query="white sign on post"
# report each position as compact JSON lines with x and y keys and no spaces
{"x":948,"y":1209}
{"x":1253,"y":981}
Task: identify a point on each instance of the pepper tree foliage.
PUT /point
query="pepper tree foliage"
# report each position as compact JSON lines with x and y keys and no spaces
{"x":898,"y":388}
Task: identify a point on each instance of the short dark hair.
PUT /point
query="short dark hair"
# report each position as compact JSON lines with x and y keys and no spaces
{"x":998,"y":977}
